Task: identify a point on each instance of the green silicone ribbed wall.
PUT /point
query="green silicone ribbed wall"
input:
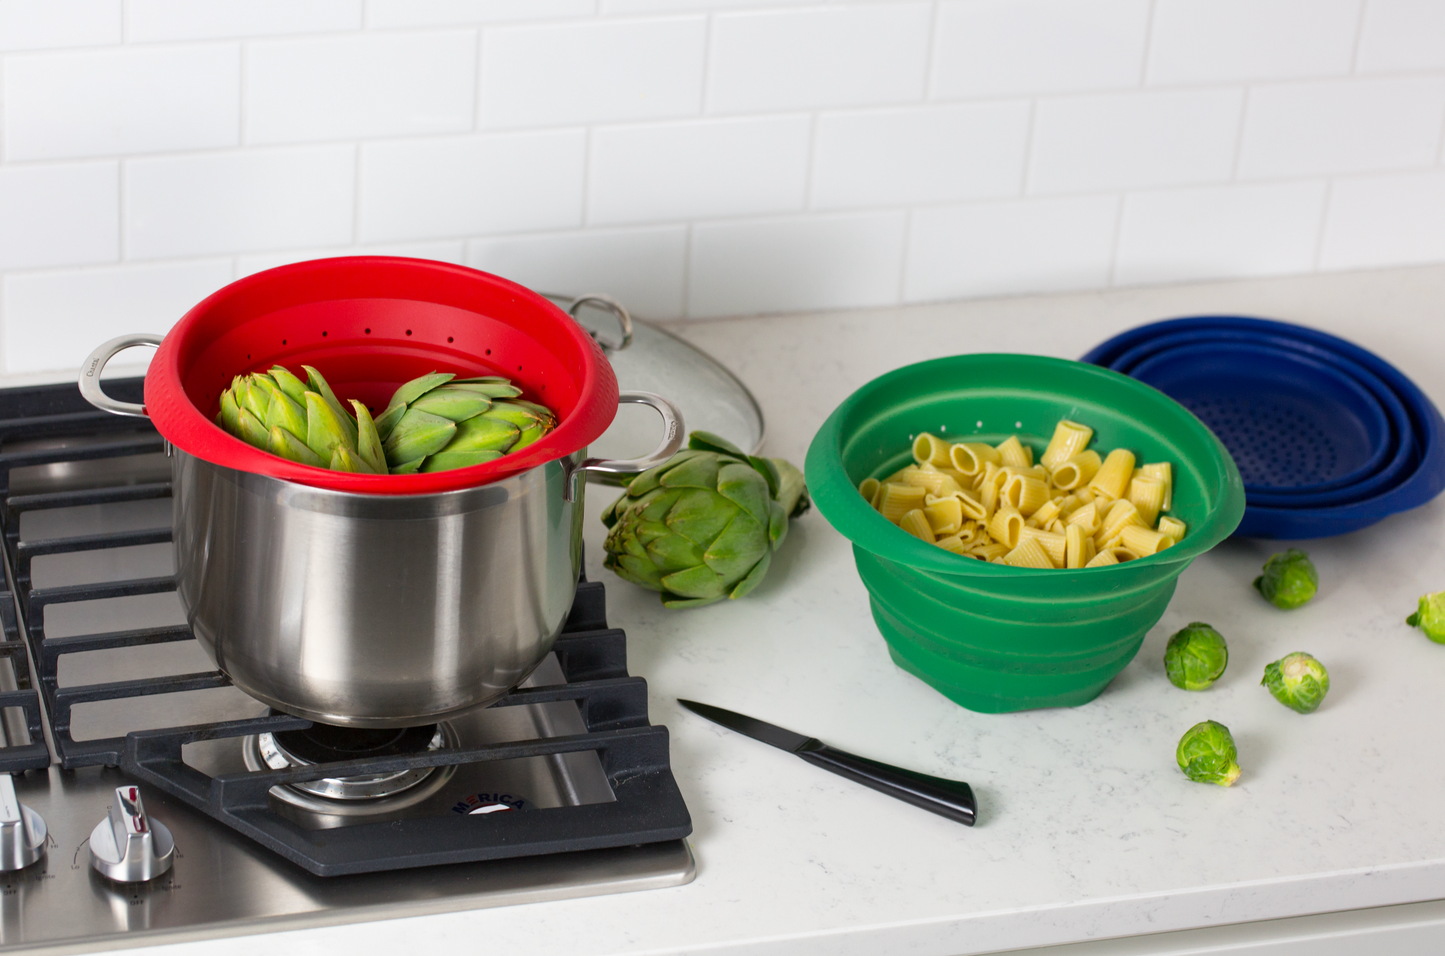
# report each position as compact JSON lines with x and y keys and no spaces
{"x":996,"y":638}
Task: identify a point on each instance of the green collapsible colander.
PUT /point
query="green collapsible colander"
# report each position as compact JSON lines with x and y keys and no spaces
{"x":990,"y":637}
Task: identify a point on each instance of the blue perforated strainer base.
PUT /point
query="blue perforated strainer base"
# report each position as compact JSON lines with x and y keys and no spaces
{"x":1274,"y":446}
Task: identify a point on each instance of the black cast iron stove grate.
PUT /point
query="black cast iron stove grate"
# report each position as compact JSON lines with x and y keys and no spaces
{"x":55,"y":427}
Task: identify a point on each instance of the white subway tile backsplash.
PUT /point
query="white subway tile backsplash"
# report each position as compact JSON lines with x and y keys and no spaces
{"x":1006,"y":47}
{"x":413,"y":190}
{"x":388,"y":84}
{"x":1402,"y":35}
{"x":920,"y":155}
{"x":603,"y":71}
{"x":1132,"y":140}
{"x":1342,"y":126}
{"x":851,"y":55}
{"x":674,"y":6}
{"x":152,"y":20}
{"x":1200,"y":41}
{"x":453,"y":251}
{"x":1003,"y":248}
{"x":48,"y":24}
{"x":428,"y":13}
{"x":642,"y":268}
{"x":1385,"y":221}
{"x":239,"y":201}
{"x":58,"y":215}
{"x":52,"y":320}
{"x":698,"y":169}
{"x":1219,"y":232}
{"x":782,"y":265}
{"x":104,"y":102}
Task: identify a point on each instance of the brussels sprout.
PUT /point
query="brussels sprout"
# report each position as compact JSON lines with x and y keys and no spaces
{"x":1207,"y":754}
{"x":1431,"y":617}
{"x":1289,"y":579}
{"x":1195,"y":657}
{"x":1298,"y":681}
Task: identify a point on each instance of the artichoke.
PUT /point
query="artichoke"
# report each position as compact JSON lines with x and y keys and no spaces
{"x":1206,"y":753}
{"x":433,"y":423}
{"x":1430,"y":618}
{"x":1195,"y":657}
{"x":1289,"y":579}
{"x":438,"y":422}
{"x":1298,"y":681}
{"x":704,"y":525}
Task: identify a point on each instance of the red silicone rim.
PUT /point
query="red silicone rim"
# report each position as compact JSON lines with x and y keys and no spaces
{"x":369,"y":323}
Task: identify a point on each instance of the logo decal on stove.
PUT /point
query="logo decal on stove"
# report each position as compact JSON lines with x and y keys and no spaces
{"x":479,"y":804}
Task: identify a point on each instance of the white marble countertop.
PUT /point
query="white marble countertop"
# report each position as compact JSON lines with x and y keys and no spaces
{"x":1087,"y":829}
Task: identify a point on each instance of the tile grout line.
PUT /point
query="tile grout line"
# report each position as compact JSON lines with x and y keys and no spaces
{"x":1323,"y":225}
{"x":931,"y":57}
{"x":1359,"y":37}
{"x":1148,"y":45}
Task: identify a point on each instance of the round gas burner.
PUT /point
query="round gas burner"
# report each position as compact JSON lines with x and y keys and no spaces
{"x":323,"y":743}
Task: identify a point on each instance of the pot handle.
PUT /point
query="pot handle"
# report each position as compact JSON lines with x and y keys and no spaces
{"x":95,"y":364}
{"x":672,"y":432}
{"x":624,"y":318}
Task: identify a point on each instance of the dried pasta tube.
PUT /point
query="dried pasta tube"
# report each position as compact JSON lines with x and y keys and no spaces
{"x":1144,"y":542}
{"x":1121,"y":554}
{"x":1172,"y":527}
{"x":1084,"y":495}
{"x":1056,"y":526}
{"x":970,"y":457}
{"x":1006,"y":525}
{"x":894,"y":500}
{"x":1025,"y":493}
{"x":1055,"y":545}
{"x":1102,"y":559}
{"x":988,"y":496}
{"x":1165,"y":473}
{"x":1089,"y":551}
{"x":1087,"y":518}
{"x":936,"y":482}
{"x":868,"y":488}
{"x":953,"y":543}
{"x":901,"y":475}
{"x":990,"y":552}
{"x":931,"y":449}
{"x":1112,"y":478}
{"x":1077,"y":471}
{"x":973,"y":508}
{"x":1147,"y":494}
{"x":1028,"y":554}
{"x":1074,"y":539}
{"x":917,"y":525}
{"x":945,"y":515}
{"x":1011,"y":451}
{"x":1070,"y":438}
{"x":1122,"y":515}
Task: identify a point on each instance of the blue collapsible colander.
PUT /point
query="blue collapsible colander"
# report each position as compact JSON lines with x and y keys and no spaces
{"x":1419,"y":481}
{"x":1403,"y":453}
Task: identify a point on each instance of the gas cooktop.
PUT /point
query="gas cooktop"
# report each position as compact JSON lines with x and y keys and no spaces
{"x":153,"y":801}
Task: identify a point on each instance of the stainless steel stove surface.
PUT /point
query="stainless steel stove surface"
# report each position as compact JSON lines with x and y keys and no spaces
{"x":136,"y":704}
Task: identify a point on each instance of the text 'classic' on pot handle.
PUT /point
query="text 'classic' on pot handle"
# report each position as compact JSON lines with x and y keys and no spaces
{"x":672,"y":432}
{"x":95,"y":364}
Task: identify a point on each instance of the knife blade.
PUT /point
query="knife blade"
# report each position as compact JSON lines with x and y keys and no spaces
{"x":947,"y":798}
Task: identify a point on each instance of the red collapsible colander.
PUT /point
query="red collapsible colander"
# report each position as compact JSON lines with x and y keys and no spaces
{"x":369,"y":324}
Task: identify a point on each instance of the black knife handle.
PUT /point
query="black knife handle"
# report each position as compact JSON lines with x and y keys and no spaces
{"x":947,"y":798}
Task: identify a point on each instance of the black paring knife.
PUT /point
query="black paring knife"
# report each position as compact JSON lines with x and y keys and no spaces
{"x":947,"y":798}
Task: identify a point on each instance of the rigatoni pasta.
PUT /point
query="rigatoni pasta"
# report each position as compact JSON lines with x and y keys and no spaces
{"x":1073,"y":509}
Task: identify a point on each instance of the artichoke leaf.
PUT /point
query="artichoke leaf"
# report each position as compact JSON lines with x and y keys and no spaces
{"x":734,"y":552}
{"x":287,"y":445}
{"x":410,"y":391}
{"x":230,"y":413}
{"x":672,"y":552}
{"x":417,"y":435}
{"x":639,"y":571}
{"x":320,"y":386}
{"x":502,"y":389}
{"x":672,"y":601}
{"x":753,"y":579}
{"x":512,"y":412}
{"x":252,"y":432}
{"x":408,"y":467}
{"x":699,"y":472}
{"x":342,"y":459}
{"x":294,"y":388}
{"x":484,"y":434}
{"x":706,"y":441}
{"x":696,"y":582}
{"x":287,"y":414}
{"x":453,"y":404}
{"x":387,"y":420}
{"x":792,"y":490}
{"x":447,"y":460}
{"x":255,"y":399}
{"x":777,"y":524}
{"x":368,"y":443}
{"x":742,"y":485}
{"x":641,"y":484}
{"x":700,"y":516}
{"x":529,"y":435}
{"x":324,"y":430}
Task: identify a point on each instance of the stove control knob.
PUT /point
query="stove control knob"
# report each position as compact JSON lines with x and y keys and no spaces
{"x":22,"y":830}
{"x":128,"y":846}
